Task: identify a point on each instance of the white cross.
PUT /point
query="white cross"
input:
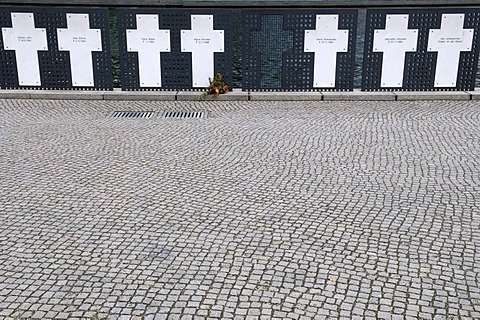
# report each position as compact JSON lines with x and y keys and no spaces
{"x":202,"y":41}
{"x":148,"y":41}
{"x":26,"y":40}
{"x":80,"y":40}
{"x":449,"y":41}
{"x":325,"y":41}
{"x":394,"y":41}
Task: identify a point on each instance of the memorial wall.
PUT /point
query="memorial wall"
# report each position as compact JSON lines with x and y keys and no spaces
{"x":55,"y":48}
{"x":311,"y":49}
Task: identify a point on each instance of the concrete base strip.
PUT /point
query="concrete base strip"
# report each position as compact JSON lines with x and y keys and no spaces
{"x":474,"y":95}
{"x":65,"y":95}
{"x":239,"y":95}
{"x":235,"y":95}
{"x":286,"y":96}
{"x":433,"y":95}
{"x":140,"y":95}
{"x":358,"y":96}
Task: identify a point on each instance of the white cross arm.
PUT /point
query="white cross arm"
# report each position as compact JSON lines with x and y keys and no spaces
{"x":148,"y":41}
{"x":394,"y":41}
{"x":448,"y":42}
{"x":80,"y":41}
{"x":202,"y":41}
{"x":326,"y":41}
{"x":26,"y":41}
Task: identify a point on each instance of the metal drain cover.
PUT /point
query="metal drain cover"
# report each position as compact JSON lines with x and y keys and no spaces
{"x":132,"y":114}
{"x":183,"y":114}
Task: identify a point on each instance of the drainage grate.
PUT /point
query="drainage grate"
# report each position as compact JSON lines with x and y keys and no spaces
{"x":132,"y":114}
{"x":183,"y":114}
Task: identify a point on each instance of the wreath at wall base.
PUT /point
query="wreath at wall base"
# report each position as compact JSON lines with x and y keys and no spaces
{"x":216,"y":87}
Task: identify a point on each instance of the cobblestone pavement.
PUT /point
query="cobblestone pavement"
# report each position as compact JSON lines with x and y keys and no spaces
{"x":295,"y":210}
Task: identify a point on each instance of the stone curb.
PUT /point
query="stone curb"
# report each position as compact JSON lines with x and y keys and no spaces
{"x":474,"y":95}
{"x":235,"y":95}
{"x":140,"y":95}
{"x":238,"y":95}
{"x":358,"y":96}
{"x":65,"y":95}
{"x":436,"y":95}
{"x":286,"y":96}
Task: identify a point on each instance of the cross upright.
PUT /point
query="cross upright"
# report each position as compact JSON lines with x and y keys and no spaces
{"x":202,"y":41}
{"x":448,"y":42}
{"x":325,"y":41}
{"x":80,"y":41}
{"x":26,"y":40}
{"x":149,"y":42}
{"x":394,"y":41}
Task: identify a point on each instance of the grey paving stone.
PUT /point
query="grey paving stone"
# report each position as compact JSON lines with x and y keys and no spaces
{"x":287,"y":209}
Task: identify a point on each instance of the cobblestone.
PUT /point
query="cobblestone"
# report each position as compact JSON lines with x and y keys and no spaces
{"x":261,"y":210}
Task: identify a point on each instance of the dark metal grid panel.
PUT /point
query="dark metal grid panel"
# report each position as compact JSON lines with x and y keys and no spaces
{"x":273,"y":50}
{"x":176,"y":66}
{"x":419,"y":72}
{"x":8,"y":66}
{"x":467,"y":71}
{"x":54,"y":64}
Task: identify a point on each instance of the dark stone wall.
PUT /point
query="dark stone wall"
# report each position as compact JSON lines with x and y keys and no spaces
{"x":248,"y":3}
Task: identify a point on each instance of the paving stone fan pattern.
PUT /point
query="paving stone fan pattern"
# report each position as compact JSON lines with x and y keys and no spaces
{"x":295,"y":210}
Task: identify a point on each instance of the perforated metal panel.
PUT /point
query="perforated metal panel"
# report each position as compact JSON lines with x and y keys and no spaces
{"x":274,"y":58}
{"x":420,"y":66}
{"x":176,"y":66}
{"x":54,"y":65}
